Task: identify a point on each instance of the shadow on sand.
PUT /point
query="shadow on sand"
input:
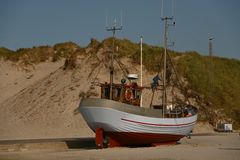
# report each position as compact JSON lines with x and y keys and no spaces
{"x":71,"y":143}
{"x":81,"y":143}
{"x":89,"y":143}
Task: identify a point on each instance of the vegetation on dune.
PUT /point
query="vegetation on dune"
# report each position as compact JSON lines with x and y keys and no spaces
{"x":64,"y":50}
{"x":34,"y":55}
{"x":5,"y":51}
{"x":215,"y":79}
{"x":126,"y":48}
{"x":123,"y":47}
{"x":8,"y":54}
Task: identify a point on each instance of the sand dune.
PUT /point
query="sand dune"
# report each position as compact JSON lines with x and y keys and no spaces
{"x":14,"y":78}
{"x":45,"y":105}
{"x":41,"y":100}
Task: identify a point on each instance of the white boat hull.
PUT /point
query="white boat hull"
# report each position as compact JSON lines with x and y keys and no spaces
{"x":118,"y":123}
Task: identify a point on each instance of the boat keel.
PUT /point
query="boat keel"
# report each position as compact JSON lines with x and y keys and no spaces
{"x":99,"y":138}
{"x":117,"y":139}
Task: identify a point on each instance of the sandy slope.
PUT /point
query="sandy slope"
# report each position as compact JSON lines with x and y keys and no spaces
{"x":44,"y":106}
{"x":42,"y":102}
{"x":14,"y":78}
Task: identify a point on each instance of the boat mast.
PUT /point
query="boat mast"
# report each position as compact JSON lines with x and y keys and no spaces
{"x":113,"y":29}
{"x":165,"y":38}
{"x":166,"y":25}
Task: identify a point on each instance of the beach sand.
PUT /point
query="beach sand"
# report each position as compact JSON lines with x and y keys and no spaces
{"x":209,"y":146}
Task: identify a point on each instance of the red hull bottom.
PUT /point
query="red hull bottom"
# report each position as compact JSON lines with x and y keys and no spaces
{"x":115,"y":139}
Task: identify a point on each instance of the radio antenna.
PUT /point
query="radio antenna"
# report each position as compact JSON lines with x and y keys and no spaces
{"x":162,"y":9}
{"x":106,"y":19}
{"x":173,"y":7}
{"x":121,"y":20}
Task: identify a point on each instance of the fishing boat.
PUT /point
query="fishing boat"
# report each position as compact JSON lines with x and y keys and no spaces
{"x":119,"y":119}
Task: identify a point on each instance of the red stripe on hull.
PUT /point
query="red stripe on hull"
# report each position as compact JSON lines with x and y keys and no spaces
{"x":132,"y":138}
{"x":151,"y":124}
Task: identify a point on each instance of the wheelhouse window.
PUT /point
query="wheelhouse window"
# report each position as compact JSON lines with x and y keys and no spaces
{"x":118,"y":92}
{"x":105,"y":92}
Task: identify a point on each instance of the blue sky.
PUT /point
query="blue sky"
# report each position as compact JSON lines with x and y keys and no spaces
{"x":28,"y":23}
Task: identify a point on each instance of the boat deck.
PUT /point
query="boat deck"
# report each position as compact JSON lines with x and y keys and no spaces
{"x":96,"y":102}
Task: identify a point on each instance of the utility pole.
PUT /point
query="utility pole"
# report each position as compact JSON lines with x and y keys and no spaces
{"x":113,"y":29}
{"x":210,"y":69}
{"x":141,"y":64}
{"x":210,"y":46}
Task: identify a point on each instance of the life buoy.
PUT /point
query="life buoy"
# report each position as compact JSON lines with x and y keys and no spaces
{"x":189,"y":114}
{"x":128,"y":94}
